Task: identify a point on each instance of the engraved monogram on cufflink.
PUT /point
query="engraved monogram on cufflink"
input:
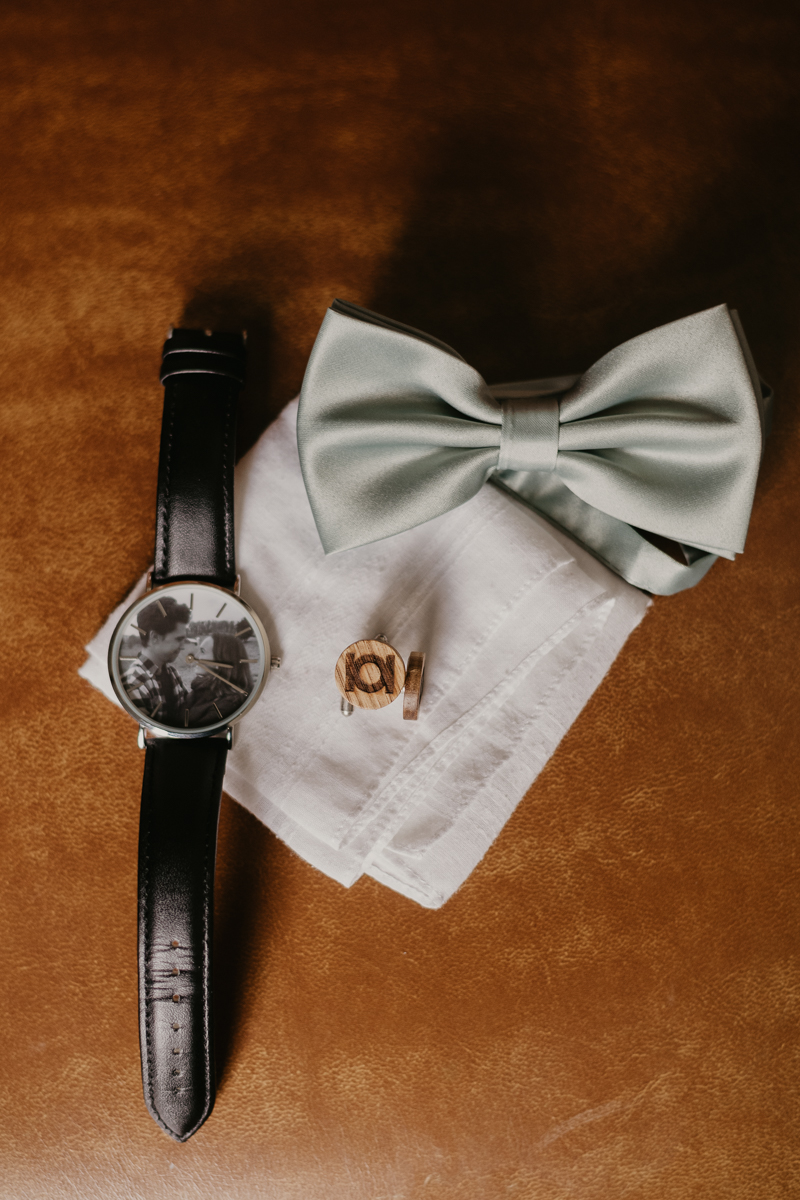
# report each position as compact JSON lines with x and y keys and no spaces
{"x":371,"y":674}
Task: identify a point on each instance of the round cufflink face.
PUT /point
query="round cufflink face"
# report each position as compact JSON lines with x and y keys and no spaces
{"x":188,"y":659}
{"x":370,"y":674}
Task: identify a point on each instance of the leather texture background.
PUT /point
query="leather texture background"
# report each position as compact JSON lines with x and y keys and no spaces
{"x":609,"y":1006}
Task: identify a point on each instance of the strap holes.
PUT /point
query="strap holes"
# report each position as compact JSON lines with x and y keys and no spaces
{"x":176,"y":970}
{"x":176,"y":1026}
{"x":176,"y":1050}
{"x":176,"y":998}
{"x":175,"y":943}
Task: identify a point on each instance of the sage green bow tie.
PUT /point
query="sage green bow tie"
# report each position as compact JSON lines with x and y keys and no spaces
{"x":660,"y":440}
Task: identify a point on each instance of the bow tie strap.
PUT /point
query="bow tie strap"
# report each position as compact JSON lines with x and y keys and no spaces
{"x":649,"y":459}
{"x":529,"y":434}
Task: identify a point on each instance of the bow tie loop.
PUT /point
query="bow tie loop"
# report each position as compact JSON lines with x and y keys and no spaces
{"x":529,"y":434}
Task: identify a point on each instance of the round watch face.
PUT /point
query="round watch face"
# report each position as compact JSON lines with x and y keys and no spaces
{"x":188,"y":659}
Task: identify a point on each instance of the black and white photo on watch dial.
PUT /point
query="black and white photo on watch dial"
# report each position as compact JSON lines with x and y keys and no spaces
{"x":189,"y":657}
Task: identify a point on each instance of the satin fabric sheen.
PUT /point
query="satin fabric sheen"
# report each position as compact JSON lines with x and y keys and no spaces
{"x":658,"y":442}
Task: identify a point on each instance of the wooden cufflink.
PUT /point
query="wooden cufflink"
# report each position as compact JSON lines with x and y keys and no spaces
{"x":371,"y":674}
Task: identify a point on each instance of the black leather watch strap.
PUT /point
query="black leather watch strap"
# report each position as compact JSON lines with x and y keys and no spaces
{"x":202,"y":375}
{"x":177,"y":850}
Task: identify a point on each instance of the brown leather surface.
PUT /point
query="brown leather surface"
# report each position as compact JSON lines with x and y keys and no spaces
{"x":609,"y":1006}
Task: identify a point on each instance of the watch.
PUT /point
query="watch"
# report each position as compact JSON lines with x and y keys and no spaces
{"x":187,"y":661}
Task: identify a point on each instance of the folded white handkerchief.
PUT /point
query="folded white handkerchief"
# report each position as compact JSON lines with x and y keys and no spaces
{"x":519,"y":626}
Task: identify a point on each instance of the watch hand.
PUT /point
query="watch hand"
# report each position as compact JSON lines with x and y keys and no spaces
{"x":192,"y":659}
{"x":216,"y":675}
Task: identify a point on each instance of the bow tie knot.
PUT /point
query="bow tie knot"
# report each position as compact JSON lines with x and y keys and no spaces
{"x":529,"y":434}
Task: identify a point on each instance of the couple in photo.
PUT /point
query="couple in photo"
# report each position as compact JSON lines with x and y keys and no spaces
{"x":221,"y":682}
